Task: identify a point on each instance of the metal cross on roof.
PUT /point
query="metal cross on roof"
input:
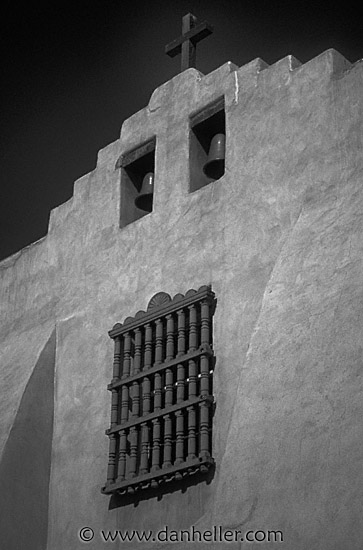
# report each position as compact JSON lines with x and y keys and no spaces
{"x":186,"y":43}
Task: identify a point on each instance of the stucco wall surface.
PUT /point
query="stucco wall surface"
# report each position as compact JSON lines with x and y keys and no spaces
{"x":26,"y":460}
{"x":278,"y":238}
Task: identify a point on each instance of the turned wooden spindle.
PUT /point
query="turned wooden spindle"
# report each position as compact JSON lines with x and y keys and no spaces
{"x":121,"y":469}
{"x":204,"y":384}
{"x":158,"y":342}
{"x":180,"y":372}
{"x":193,"y":332}
{"x":156,"y":445}
{"x":117,"y":360}
{"x":179,"y":449}
{"x":136,"y":370}
{"x":124,"y":404}
{"x":133,"y":451}
{"x":114,"y":407}
{"x":146,"y":383}
{"x":192,"y":383}
{"x":135,"y":412}
{"x":158,"y":391}
{"x":169,"y":356}
{"x":145,"y":444}
{"x":169,"y":337}
{"x":127,"y":355}
{"x":192,"y":367}
{"x":137,"y":354}
{"x":167,"y":441}
{"x":111,"y":468}
{"x":204,"y":341}
{"x":204,"y":430}
{"x":158,"y":360}
{"x":168,"y":387}
{"x":146,"y":395}
{"x":181,"y":332}
{"x":148,"y":353}
{"x":180,"y":391}
{"x":192,"y":427}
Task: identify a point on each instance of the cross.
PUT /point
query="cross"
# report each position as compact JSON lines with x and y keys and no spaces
{"x":186,"y":43}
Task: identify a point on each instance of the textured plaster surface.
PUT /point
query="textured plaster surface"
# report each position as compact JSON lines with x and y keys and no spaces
{"x":25,"y":464}
{"x":279,"y":239}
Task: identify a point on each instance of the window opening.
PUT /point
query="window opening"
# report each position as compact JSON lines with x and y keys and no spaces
{"x":207,"y":145}
{"x":137,"y":182}
{"x":161,"y":413}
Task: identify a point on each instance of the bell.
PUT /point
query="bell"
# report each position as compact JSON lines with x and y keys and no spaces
{"x":214,"y":167}
{"x":145,"y":199}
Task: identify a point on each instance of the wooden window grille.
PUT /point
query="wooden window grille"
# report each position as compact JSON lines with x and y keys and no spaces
{"x":161,"y":413}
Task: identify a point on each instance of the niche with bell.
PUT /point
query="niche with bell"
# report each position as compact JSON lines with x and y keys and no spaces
{"x":207,"y":145}
{"x":137,"y":182}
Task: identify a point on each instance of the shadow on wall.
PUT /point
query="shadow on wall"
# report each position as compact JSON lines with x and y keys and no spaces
{"x":25,"y":465}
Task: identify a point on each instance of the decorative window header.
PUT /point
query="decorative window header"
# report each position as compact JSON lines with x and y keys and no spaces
{"x":162,"y":303}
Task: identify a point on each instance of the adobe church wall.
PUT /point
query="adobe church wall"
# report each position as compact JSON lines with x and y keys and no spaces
{"x":41,"y":286}
{"x":278,"y":238}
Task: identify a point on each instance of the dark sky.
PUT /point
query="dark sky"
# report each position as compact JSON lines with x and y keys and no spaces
{"x":72,"y":73}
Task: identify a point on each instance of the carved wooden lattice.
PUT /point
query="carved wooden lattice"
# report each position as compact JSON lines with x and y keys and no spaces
{"x":161,"y":412}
